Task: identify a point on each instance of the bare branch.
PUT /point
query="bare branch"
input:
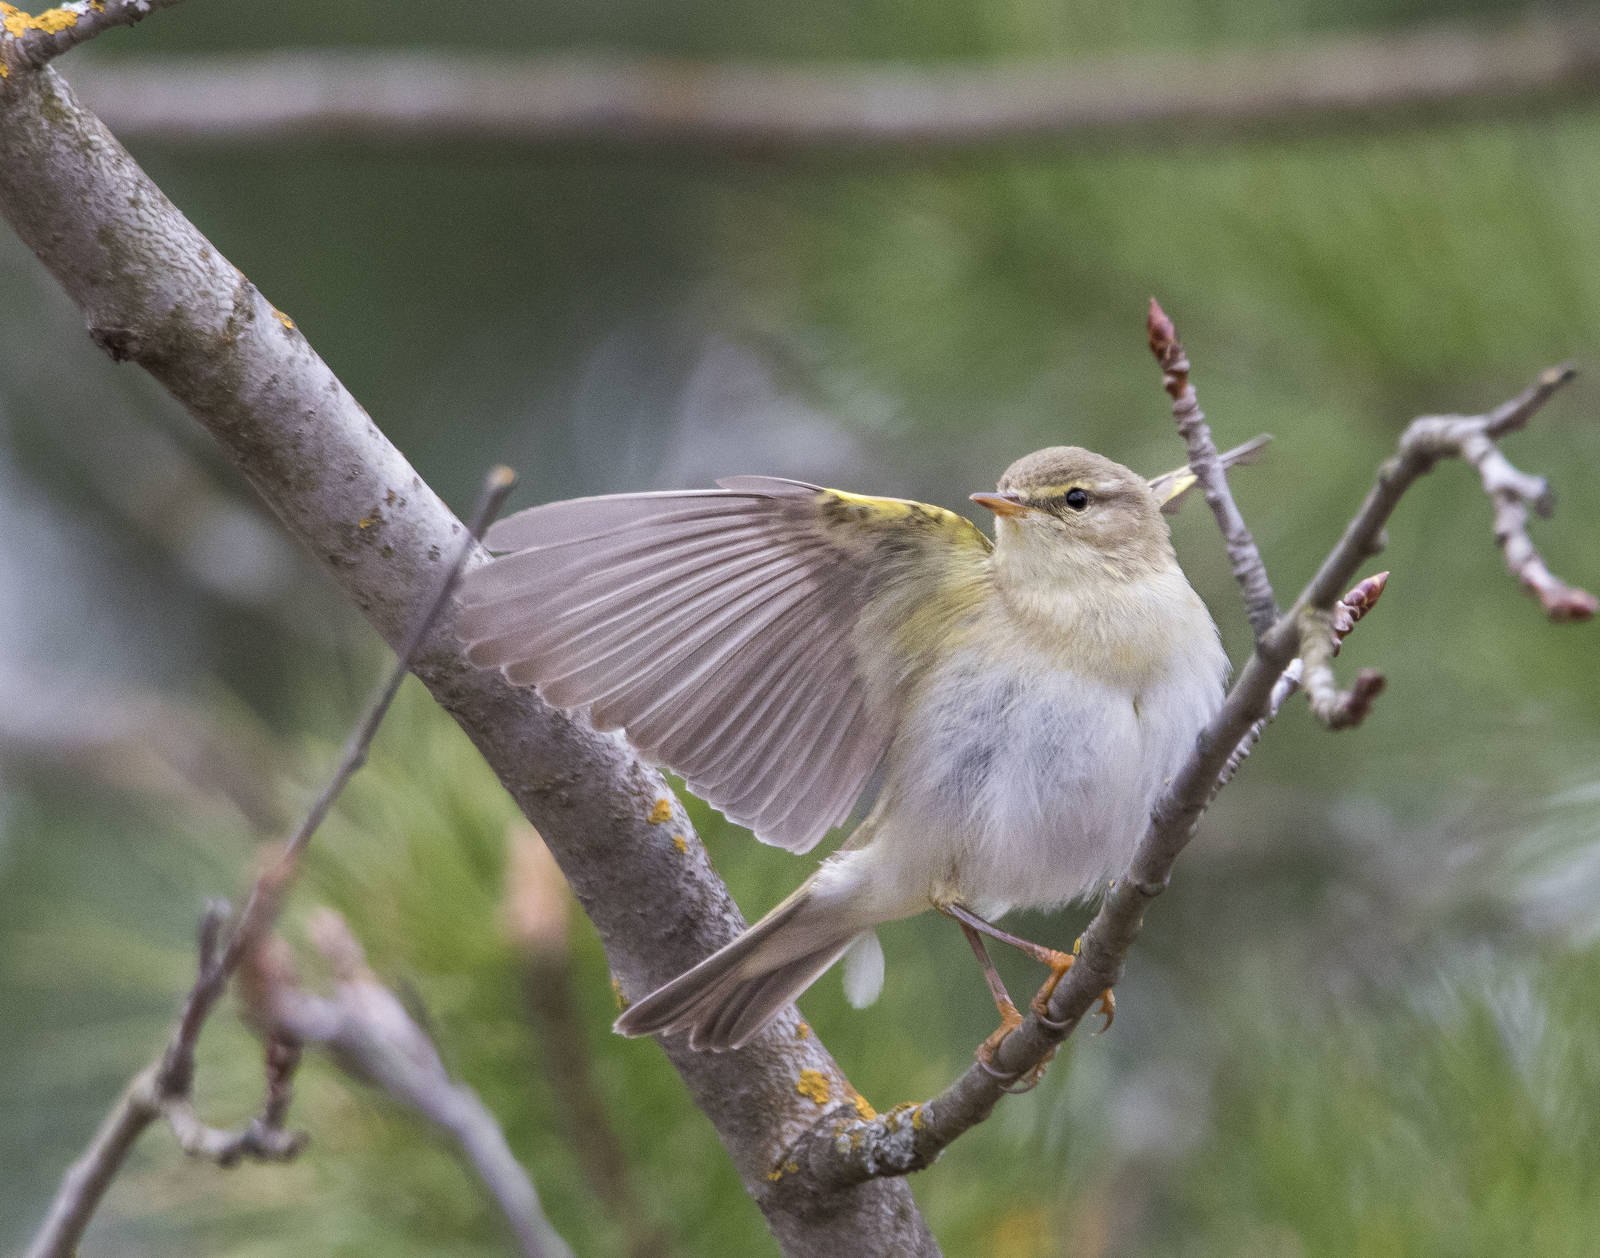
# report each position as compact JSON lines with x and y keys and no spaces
{"x":1396,"y":78}
{"x":266,"y":894}
{"x":1422,"y":445}
{"x":28,"y":41}
{"x":87,"y":1179}
{"x":1335,"y":708}
{"x":156,"y":292}
{"x":166,"y":1087}
{"x":1347,"y":613}
{"x":1260,"y":605}
{"x":372,"y":1038}
{"x":846,"y":1149}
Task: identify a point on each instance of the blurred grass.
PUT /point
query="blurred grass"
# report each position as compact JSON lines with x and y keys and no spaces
{"x":1357,"y":1024}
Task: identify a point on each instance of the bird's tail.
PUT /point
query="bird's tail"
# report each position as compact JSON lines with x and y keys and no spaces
{"x":727,"y":999}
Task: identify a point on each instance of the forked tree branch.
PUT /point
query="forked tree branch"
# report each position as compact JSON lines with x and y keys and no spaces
{"x":373,"y":1039}
{"x":156,"y":292}
{"x":850,"y":1149}
{"x":166,"y":1087}
{"x":29,"y":40}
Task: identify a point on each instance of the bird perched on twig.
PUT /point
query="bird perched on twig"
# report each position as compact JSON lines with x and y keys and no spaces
{"x":778,"y":644}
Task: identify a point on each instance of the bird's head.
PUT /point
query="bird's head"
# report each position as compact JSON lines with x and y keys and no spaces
{"x":1067,"y":509}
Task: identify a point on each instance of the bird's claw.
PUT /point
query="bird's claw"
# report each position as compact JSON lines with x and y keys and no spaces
{"x":1107,"y":1008}
{"x":1059,"y":963}
{"x":1028,"y":1080}
{"x":1010,"y":1020}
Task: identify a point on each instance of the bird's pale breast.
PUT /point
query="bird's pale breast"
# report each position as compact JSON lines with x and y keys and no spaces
{"x":1016,"y":782}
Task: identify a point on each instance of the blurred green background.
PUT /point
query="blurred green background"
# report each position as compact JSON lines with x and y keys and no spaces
{"x":1362,"y":1022}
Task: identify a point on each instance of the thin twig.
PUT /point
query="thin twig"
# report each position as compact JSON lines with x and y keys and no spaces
{"x":844,"y":1149}
{"x":166,"y":1086}
{"x":1347,"y":613}
{"x":266,"y":894}
{"x":1260,"y":605}
{"x":1335,"y":708}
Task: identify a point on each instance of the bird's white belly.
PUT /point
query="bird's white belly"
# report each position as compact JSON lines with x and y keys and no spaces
{"x":1027,"y":788}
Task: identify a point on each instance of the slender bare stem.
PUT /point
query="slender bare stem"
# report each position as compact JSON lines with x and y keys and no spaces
{"x":86,"y":1180}
{"x":165,"y":1087}
{"x":1249,"y":570}
{"x":1347,"y":613}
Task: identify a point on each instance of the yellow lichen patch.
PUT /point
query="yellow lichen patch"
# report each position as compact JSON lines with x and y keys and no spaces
{"x":5,"y":70}
{"x":51,"y":21}
{"x":813,"y":1085}
{"x":283,"y":318}
{"x":788,"y":1168}
{"x":661,"y":812}
{"x":616,"y":993}
{"x":863,"y":1106}
{"x":803,"y":1031}
{"x":681,"y":843}
{"x":919,"y":1117}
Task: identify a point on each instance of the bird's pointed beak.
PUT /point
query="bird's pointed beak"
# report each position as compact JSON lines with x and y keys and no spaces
{"x":1001,"y":503}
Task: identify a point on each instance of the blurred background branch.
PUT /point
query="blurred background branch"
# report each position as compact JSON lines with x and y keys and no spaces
{"x":372,"y":1037}
{"x":1401,"y":78}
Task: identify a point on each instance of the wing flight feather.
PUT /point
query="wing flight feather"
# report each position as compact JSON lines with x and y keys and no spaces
{"x":718,"y":629}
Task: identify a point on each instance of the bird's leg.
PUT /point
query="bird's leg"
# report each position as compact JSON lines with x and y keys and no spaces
{"x":1010,"y":1019}
{"x":1058,"y":963}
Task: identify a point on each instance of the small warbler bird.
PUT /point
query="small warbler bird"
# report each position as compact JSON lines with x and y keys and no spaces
{"x":779,"y":644}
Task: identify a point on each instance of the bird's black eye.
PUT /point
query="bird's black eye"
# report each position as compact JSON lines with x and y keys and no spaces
{"x":1077,"y":499}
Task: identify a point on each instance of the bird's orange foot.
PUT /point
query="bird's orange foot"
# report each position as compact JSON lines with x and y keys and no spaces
{"x":1059,"y":963}
{"x":1010,"y":1020}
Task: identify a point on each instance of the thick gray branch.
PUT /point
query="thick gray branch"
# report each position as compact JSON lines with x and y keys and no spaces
{"x":1163,"y":100}
{"x":156,"y":292}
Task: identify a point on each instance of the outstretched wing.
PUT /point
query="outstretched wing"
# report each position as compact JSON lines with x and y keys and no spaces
{"x":720,"y":630}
